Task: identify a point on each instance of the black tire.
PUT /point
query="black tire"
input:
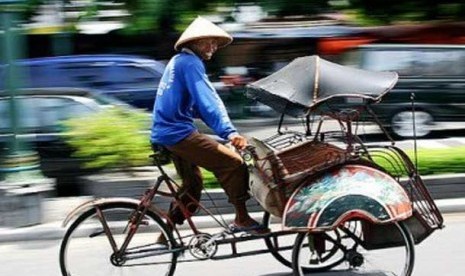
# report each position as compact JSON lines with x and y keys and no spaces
{"x":286,"y":244}
{"x":391,"y":260}
{"x":272,"y":243}
{"x":86,"y":250}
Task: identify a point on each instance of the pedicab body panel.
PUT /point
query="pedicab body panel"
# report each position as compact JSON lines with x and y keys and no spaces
{"x":351,"y":191}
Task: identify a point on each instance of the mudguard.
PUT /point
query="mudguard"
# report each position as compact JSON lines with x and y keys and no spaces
{"x":350,"y":191}
{"x":99,"y":202}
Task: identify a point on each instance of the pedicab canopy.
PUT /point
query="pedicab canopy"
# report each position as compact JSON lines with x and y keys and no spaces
{"x":306,"y":82}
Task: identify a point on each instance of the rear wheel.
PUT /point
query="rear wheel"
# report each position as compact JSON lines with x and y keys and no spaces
{"x":280,"y":247}
{"x":87,"y":250}
{"x":389,"y":252}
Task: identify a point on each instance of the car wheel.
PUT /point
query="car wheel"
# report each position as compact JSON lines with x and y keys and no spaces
{"x":402,"y":124}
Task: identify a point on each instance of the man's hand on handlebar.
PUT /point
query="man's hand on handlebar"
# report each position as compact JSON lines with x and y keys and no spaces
{"x":238,"y":141}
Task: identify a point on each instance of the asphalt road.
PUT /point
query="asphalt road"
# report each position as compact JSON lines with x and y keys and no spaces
{"x":443,"y":253}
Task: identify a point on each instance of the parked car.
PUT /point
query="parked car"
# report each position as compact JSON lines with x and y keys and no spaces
{"x":132,"y":79}
{"x":432,"y":77}
{"x":42,"y":111}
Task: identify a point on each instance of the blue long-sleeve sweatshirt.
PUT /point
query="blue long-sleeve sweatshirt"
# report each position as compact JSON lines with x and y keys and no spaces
{"x":185,"y":93}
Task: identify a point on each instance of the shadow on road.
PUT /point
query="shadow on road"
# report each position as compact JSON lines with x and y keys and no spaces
{"x":337,"y":273}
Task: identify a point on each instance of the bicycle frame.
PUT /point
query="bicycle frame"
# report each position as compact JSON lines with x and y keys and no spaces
{"x":145,"y":205}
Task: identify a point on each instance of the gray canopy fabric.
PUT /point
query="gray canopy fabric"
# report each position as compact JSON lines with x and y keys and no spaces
{"x":308,"y":81}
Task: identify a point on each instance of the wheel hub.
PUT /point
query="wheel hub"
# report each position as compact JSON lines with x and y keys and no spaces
{"x":117,"y":260}
{"x":202,"y":246}
{"x":354,"y":258}
{"x":402,"y":123}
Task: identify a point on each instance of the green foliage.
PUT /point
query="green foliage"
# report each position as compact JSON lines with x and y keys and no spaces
{"x":437,"y":161}
{"x":430,"y":162}
{"x":146,"y":15}
{"x":434,"y":161}
{"x":112,"y":138}
{"x":162,"y":15}
{"x":168,"y":16}
{"x":209,"y":180}
{"x":295,"y":7}
{"x":375,"y":12}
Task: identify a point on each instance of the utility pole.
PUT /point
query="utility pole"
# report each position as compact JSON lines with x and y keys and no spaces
{"x":22,"y":184}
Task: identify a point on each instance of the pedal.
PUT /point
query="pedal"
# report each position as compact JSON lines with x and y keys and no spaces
{"x":95,"y":234}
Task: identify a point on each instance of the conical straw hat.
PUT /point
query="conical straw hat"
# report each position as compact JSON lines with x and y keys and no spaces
{"x":202,"y":28}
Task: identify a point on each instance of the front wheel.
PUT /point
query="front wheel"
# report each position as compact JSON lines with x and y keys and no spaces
{"x":87,"y":249}
{"x":364,"y":249}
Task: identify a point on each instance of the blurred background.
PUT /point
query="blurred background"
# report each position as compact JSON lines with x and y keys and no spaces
{"x":65,"y":59}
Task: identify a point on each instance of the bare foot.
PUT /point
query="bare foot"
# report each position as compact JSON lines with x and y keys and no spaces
{"x":250,"y":226}
{"x":245,"y":222}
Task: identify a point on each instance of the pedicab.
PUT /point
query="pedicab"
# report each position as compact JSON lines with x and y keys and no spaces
{"x":348,"y":201}
{"x":343,"y":206}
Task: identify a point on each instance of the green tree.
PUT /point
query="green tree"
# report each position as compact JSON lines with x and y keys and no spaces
{"x":387,"y":12}
{"x":162,"y":15}
{"x":283,"y":8}
{"x":168,"y":15}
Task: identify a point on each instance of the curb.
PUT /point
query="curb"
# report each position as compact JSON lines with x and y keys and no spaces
{"x":453,"y":205}
{"x":55,"y":231}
